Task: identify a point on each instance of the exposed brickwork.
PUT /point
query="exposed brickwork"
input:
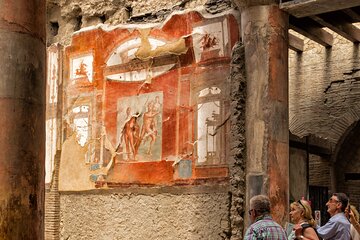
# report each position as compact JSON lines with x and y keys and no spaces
{"x":319,"y":171}
{"x":324,"y":94}
{"x":324,"y":89}
{"x":348,"y":162}
{"x":66,"y":17}
{"x":52,"y":204}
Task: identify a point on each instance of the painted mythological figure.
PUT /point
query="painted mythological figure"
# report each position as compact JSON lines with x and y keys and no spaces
{"x":130,"y":135}
{"x":148,"y":129}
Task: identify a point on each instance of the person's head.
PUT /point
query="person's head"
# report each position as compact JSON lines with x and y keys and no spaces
{"x":301,"y":211}
{"x":150,"y":105}
{"x":337,"y":203}
{"x":259,"y":206}
{"x":128,"y":111}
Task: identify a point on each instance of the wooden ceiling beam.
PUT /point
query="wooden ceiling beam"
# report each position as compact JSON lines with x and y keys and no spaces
{"x":295,"y":43}
{"x":344,"y":29}
{"x":305,"y":8}
{"x":312,"y":30}
{"x":351,"y":13}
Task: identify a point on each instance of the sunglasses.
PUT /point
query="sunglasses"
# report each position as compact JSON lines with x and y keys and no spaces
{"x":301,"y":204}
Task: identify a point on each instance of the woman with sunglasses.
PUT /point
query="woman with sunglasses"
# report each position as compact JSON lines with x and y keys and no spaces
{"x":300,"y":215}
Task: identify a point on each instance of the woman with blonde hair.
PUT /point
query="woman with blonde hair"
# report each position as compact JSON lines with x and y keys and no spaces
{"x":354,"y":220}
{"x":301,"y":216}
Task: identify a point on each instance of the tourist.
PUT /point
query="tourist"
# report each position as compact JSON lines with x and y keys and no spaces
{"x":263,"y":226}
{"x":338,"y":226}
{"x":301,"y":216}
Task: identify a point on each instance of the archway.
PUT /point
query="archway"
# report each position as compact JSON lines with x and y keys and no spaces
{"x":347,"y":164}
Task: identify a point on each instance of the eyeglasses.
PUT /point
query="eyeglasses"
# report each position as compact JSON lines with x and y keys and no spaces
{"x":331,"y":200}
{"x":301,"y":204}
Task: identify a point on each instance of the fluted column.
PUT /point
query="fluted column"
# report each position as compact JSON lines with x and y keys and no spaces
{"x":22,"y":118}
{"x":265,"y":37}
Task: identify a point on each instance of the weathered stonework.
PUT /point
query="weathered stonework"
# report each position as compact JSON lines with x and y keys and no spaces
{"x":265,"y":37}
{"x":238,"y":144}
{"x":324,"y":92}
{"x":66,"y":17}
{"x":122,"y":213}
{"x":136,"y":216}
{"x":324,"y":89}
{"x":22,"y":104}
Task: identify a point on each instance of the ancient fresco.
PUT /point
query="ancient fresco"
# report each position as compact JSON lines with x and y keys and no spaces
{"x":53,"y":58}
{"x":139,"y":127}
{"x":148,"y":104}
{"x":210,"y":40}
{"x":82,"y":67}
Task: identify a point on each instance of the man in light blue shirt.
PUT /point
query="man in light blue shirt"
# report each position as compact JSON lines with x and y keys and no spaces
{"x":338,"y":226}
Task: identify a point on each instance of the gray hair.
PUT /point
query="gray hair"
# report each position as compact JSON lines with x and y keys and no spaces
{"x":261,"y":204}
{"x":343,"y":199}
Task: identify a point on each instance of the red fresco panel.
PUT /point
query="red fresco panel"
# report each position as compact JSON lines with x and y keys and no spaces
{"x":144,"y":115}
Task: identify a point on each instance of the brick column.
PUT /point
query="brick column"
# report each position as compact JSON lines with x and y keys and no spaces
{"x":22,"y":118}
{"x":265,"y":37}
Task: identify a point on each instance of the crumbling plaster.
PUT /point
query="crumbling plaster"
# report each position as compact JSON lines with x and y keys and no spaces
{"x":141,"y":216}
{"x":65,"y":17}
{"x":210,"y":214}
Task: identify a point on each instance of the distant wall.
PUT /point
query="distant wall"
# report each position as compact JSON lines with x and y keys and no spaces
{"x":324,"y":94}
{"x":324,"y":89}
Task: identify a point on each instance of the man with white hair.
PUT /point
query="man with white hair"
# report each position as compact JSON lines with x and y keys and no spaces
{"x":263,"y":226}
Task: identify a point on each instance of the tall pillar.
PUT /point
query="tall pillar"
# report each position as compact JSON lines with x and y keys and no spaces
{"x":265,"y":37}
{"x":22,"y":118}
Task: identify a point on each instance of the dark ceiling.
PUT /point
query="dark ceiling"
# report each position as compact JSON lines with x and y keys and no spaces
{"x":319,"y":19}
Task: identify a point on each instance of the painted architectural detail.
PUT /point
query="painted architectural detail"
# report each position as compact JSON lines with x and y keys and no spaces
{"x":211,"y":40}
{"x":82,"y":67}
{"x":81,"y":123}
{"x":52,"y":80}
{"x":149,"y":105}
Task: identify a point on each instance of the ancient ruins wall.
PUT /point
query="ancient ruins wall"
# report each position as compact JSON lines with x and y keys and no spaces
{"x":324,"y":94}
{"x":139,"y":216}
{"x":205,"y":203}
{"x":324,"y":89}
{"x":65,"y":17}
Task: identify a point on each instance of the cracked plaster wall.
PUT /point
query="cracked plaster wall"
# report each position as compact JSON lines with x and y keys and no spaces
{"x":208,"y":215}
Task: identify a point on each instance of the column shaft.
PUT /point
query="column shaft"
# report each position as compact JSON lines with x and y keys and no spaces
{"x":22,"y":118}
{"x":265,"y":36}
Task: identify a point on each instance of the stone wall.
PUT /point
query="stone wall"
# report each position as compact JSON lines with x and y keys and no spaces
{"x":188,"y":212}
{"x":65,"y":17}
{"x":141,"y":216}
{"x":319,"y":171}
{"x":324,"y":89}
{"x":348,"y":166}
{"x":324,"y":94}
